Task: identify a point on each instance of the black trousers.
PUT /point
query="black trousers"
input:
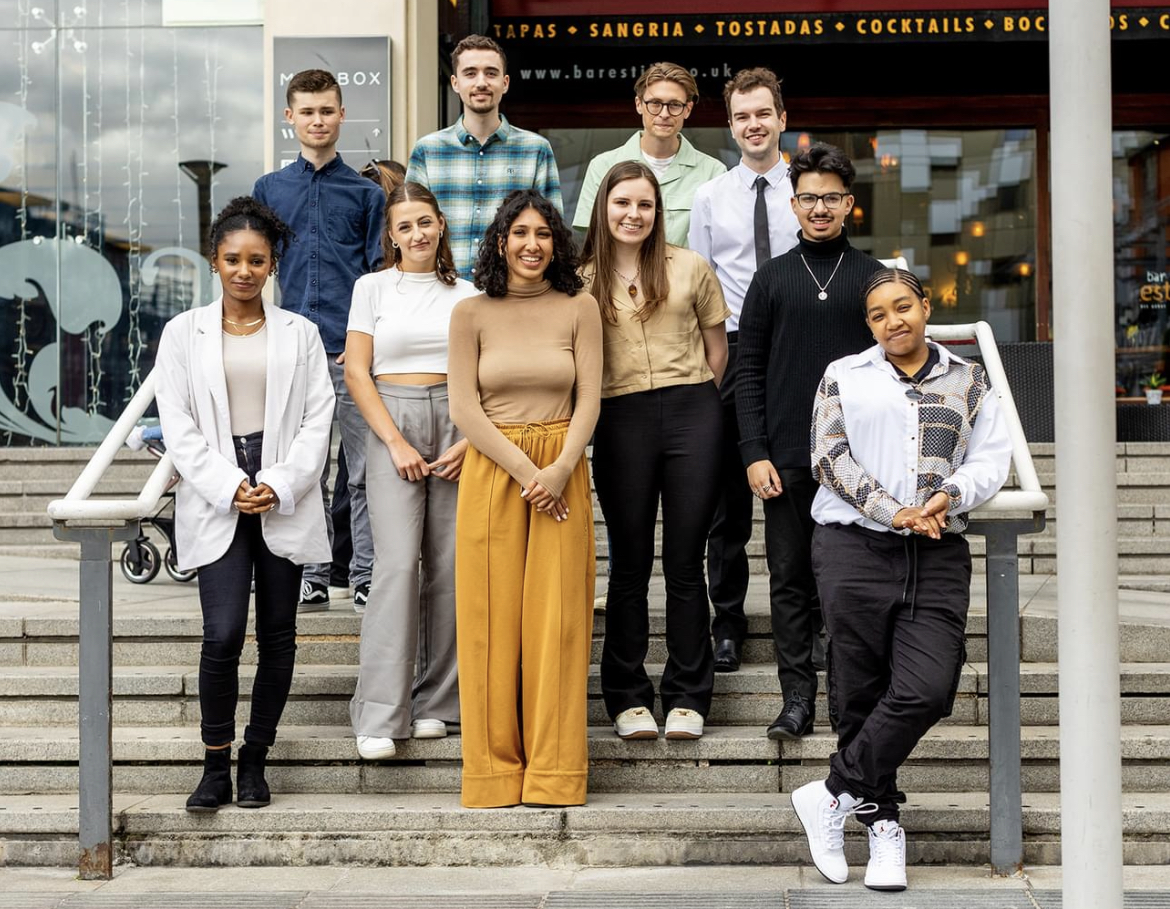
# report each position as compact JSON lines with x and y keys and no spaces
{"x":650,"y":446}
{"x":896,"y":613}
{"x":224,"y":591}
{"x":796,"y":618}
{"x":339,"y":514}
{"x":731,"y":529}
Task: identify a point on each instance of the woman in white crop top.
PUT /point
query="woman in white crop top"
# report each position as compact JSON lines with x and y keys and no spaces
{"x":396,"y":371}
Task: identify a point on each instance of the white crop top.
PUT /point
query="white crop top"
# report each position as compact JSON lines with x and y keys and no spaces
{"x":409,"y":316}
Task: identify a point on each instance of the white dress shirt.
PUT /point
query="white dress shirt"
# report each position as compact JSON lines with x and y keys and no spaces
{"x":723,"y":227}
{"x":875,"y":450}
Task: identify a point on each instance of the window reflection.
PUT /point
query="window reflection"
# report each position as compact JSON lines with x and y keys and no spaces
{"x":100,"y":202}
{"x":1141,"y":231}
{"x":958,"y":204}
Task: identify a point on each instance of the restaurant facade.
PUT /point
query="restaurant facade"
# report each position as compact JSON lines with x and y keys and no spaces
{"x":127,"y":125}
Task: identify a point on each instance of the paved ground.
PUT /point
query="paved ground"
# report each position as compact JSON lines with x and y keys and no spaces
{"x":489,"y":888}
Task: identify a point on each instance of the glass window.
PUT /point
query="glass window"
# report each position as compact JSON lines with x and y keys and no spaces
{"x":118,"y":140}
{"x":959,"y":204}
{"x":1141,"y":231}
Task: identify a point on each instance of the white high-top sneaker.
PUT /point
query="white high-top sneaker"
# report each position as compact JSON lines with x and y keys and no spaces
{"x":823,"y":816}
{"x":887,"y":857}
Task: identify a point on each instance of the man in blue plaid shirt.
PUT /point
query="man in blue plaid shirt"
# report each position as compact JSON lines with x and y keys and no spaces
{"x":471,"y":165}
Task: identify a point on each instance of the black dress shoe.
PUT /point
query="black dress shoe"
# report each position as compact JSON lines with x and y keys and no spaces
{"x":726,"y":656}
{"x":795,"y":720}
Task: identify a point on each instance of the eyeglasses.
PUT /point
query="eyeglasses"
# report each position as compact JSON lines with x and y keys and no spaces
{"x":808,"y":201}
{"x":654,"y":105}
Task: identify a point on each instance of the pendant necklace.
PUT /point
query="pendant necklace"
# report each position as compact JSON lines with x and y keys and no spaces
{"x":824,"y":288}
{"x":632,"y":289}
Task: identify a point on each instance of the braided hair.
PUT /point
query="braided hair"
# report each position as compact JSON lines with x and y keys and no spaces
{"x":891,"y":276}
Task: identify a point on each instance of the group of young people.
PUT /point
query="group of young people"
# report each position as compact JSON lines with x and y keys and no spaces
{"x":465,"y":409}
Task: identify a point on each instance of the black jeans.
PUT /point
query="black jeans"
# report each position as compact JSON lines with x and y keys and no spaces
{"x":896,"y":612}
{"x":223,"y":595}
{"x":731,"y":529}
{"x":796,"y":619}
{"x":652,"y":445}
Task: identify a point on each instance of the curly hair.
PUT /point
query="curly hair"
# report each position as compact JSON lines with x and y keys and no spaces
{"x":598,"y":249}
{"x":822,"y":158}
{"x":491,"y":267}
{"x":445,"y":269}
{"x":891,"y":276}
{"x":245,"y":213}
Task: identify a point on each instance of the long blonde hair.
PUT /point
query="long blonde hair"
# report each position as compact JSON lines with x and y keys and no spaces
{"x":598,"y":250}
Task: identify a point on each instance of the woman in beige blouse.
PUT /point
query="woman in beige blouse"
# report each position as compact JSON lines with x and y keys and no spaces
{"x":657,"y":442}
{"x":524,"y":370}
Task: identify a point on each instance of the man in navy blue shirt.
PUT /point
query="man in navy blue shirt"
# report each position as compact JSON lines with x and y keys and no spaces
{"x":337,"y":217}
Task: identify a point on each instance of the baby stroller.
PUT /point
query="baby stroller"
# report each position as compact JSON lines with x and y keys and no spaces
{"x":140,"y":557}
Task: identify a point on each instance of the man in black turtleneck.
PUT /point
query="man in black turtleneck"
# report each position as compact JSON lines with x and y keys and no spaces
{"x":801,"y":312}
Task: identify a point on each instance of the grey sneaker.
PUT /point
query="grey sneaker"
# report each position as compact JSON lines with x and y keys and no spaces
{"x":314,"y":597}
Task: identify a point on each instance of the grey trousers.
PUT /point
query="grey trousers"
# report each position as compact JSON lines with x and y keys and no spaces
{"x":353,"y":435}
{"x":408,"y":667}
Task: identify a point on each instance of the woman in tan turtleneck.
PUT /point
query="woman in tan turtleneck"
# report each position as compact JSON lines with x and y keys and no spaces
{"x":524,"y":377}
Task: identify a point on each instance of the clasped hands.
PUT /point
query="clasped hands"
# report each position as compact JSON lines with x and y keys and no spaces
{"x":930,"y":520}
{"x":256,"y":499}
{"x":413,"y":466}
{"x":544,"y":501}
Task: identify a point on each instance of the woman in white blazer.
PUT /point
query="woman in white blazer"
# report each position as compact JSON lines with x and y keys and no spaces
{"x":246,"y":404}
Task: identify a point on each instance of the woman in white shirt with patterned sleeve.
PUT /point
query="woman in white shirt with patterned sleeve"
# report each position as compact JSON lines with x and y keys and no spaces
{"x":396,"y":371}
{"x":906,"y":439}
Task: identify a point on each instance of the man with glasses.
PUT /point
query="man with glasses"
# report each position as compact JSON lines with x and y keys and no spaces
{"x":739,"y":221}
{"x":471,"y":165}
{"x":336,"y":215}
{"x":664,"y":96}
{"x":802,"y":311}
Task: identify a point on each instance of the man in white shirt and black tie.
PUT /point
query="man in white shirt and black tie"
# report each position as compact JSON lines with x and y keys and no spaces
{"x":739,"y":221}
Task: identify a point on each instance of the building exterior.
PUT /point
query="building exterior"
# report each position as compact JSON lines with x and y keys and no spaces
{"x":124,"y":126}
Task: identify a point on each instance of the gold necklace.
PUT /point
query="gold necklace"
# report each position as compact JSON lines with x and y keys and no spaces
{"x":632,"y":290}
{"x":245,"y":334}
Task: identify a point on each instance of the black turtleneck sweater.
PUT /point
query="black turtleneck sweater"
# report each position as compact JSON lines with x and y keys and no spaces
{"x":787,"y":336}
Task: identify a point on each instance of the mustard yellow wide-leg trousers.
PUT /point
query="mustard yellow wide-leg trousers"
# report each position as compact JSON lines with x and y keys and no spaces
{"x":524,"y":622}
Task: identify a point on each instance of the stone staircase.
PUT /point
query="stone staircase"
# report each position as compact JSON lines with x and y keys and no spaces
{"x":722,"y":799}
{"x":32,"y":477}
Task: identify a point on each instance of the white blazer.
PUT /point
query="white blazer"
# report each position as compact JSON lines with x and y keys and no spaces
{"x":192,"y":397}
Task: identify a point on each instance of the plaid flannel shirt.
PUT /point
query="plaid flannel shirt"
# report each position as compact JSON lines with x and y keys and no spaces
{"x":470,"y":180}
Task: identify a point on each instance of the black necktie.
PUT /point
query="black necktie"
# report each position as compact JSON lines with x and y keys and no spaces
{"x":760,"y":222}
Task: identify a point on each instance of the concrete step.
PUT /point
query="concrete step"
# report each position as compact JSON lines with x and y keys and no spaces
{"x":320,"y":695}
{"x":323,"y":759}
{"x":612,"y":830}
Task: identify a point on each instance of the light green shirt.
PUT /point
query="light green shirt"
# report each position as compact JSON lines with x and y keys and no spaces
{"x":689,"y":170}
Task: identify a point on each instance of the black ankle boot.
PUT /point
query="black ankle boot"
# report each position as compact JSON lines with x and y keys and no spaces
{"x":251,"y":789}
{"x":215,"y":788}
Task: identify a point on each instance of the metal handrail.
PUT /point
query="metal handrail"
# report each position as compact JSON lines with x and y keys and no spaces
{"x":77,"y":505}
{"x":1030,"y":496}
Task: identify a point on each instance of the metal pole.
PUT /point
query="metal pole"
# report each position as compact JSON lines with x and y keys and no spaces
{"x":1003,"y":694}
{"x":1086,"y":507}
{"x":95,"y":645}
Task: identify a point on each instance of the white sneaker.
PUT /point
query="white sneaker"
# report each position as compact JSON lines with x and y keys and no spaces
{"x":684,"y":724}
{"x":428,"y":729}
{"x":375,"y":747}
{"x":887,"y":857}
{"x":635,"y":723}
{"x":823,"y":818}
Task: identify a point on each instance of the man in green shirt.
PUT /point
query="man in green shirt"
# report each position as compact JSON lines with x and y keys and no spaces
{"x":664,"y":94}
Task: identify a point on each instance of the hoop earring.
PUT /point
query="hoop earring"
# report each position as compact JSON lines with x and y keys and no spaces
{"x":440,"y":235}
{"x":394,"y":244}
